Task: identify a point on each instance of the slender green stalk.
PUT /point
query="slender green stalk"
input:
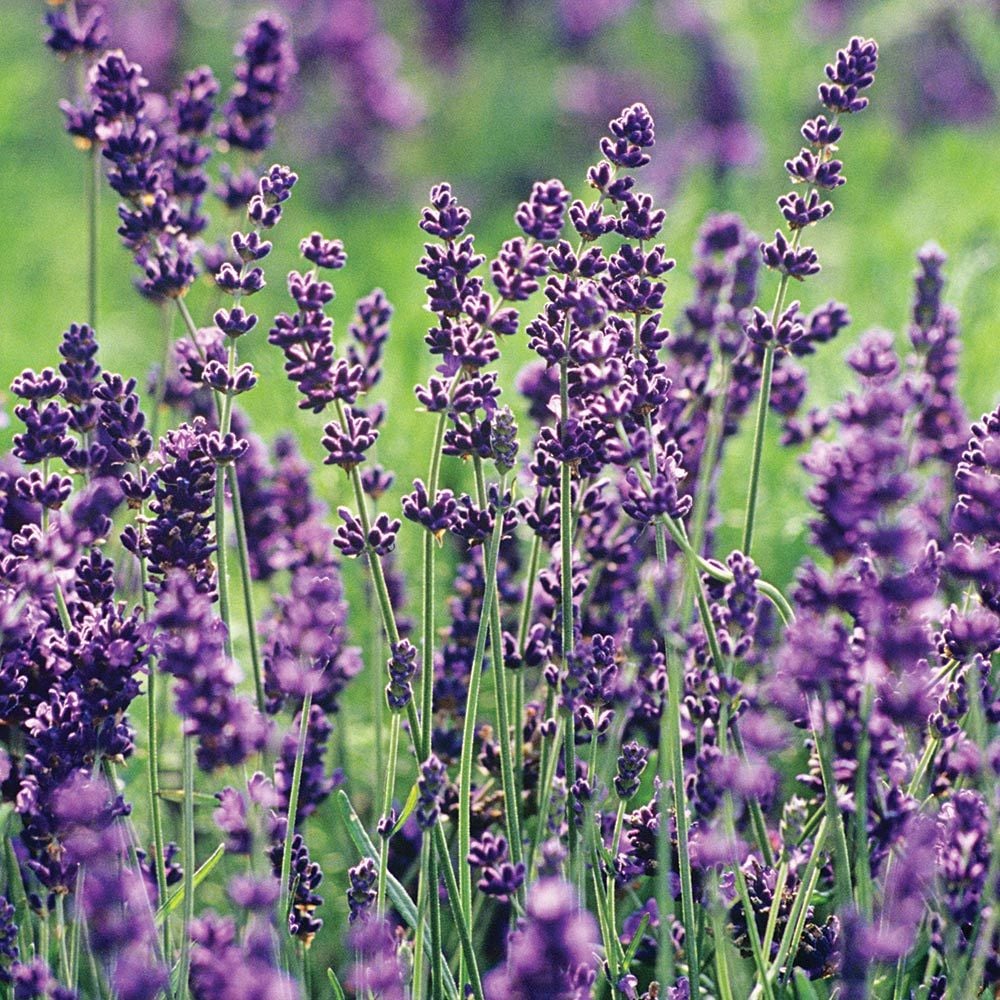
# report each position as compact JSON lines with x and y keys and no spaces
{"x":61,"y":941}
{"x":418,"y":986}
{"x":842,"y":858}
{"x":190,"y":864}
{"x":566,"y":605}
{"x":93,"y":217}
{"x":153,"y":772}
{"x":546,"y":775}
{"x":675,"y":753}
{"x":428,"y":597}
{"x":772,"y":913}
{"x":463,"y":926}
{"x":469,"y":725}
{"x":381,"y":588}
{"x":862,"y":859}
{"x":437,"y":947}
{"x":222,"y":560}
{"x":246,"y":581}
{"x":166,"y":324}
{"x":292,"y":815}
{"x":390,"y":785}
{"x":789,"y":939}
{"x":615,"y":837}
{"x":722,"y":980}
{"x":664,"y":861}
{"x":511,"y":796}
{"x":760,"y":424}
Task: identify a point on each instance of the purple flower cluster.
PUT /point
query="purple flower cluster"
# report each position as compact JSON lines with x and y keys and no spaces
{"x":619,"y":703}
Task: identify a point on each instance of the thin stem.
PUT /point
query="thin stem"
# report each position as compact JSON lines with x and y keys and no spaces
{"x":566,"y":604}
{"x":842,"y":862}
{"x":722,"y":980}
{"x":190,"y":865}
{"x":428,"y":597}
{"x":454,"y":897}
{"x":511,"y":796}
{"x":166,"y":324}
{"x":763,"y":404}
{"x":246,"y":581}
{"x":390,"y":786}
{"x":675,"y":752}
{"x":469,"y":725}
{"x":292,"y":814}
{"x":437,"y":949}
{"x":221,"y":559}
{"x":93,"y":216}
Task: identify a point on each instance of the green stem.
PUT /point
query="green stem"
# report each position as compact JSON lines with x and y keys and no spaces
{"x":221,"y":559}
{"x":469,"y":725}
{"x":190,"y":865}
{"x":428,"y":597}
{"x":93,"y":215}
{"x":390,"y":786}
{"x":166,"y":318}
{"x":566,"y":604}
{"x":862,"y":860}
{"x":437,"y":944}
{"x":790,"y":938}
{"x":675,"y":752}
{"x":454,"y":897}
{"x":763,"y":404}
{"x":722,"y":983}
{"x":511,"y":797}
{"x":291,"y":816}
{"x":246,"y":580}
{"x":842,"y":858}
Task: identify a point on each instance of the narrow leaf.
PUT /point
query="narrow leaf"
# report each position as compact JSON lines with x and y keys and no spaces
{"x":199,"y":876}
{"x":411,"y":804}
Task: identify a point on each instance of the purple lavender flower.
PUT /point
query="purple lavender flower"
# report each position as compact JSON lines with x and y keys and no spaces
{"x":222,"y":968}
{"x":306,"y":648}
{"x":552,"y":954}
{"x":377,"y":968}
{"x":361,"y":893}
{"x":190,"y":646}
{"x":265,"y":64}
{"x":432,"y":783}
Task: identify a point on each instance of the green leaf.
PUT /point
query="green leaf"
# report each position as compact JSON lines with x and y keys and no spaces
{"x":338,"y":990}
{"x":177,"y":795}
{"x":804,"y":989}
{"x":635,"y":942}
{"x":199,"y":876}
{"x":411,"y":804}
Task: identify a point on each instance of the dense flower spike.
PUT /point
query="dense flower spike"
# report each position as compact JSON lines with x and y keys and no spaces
{"x":265,"y":65}
{"x":190,"y":647}
{"x":553,"y":955}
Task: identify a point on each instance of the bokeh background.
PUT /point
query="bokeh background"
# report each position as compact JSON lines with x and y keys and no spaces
{"x":394,"y":95}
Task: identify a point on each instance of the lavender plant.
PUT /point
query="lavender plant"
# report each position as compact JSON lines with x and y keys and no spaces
{"x":618,"y":762}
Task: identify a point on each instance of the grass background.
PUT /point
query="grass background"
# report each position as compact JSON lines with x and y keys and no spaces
{"x":491,"y":129}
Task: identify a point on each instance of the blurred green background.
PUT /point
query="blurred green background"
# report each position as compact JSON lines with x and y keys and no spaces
{"x":496,"y":122}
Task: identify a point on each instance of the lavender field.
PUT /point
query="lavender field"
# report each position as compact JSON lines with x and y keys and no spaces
{"x":424,"y":577}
